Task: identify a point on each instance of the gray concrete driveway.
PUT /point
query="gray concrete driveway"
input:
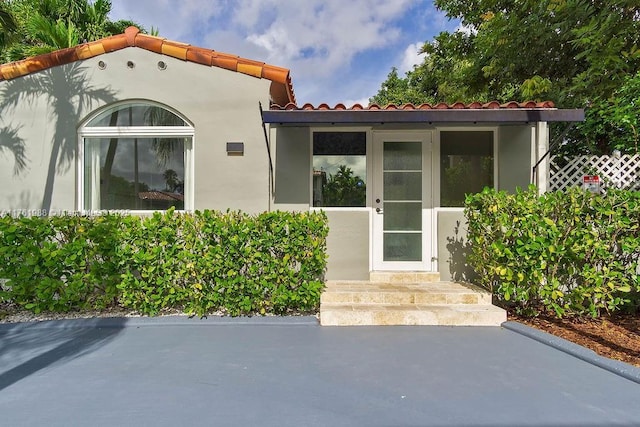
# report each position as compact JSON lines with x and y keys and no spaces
{"x":291,"y":372}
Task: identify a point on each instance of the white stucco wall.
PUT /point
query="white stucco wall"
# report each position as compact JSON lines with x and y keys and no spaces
{"x":350,"y":236}
{"x":222,"y":105}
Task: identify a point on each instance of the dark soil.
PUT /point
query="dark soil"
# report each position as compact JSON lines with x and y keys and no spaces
{"x":616,"y":337}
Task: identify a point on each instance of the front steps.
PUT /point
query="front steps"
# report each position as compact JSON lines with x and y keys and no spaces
{"x":413,"y":298}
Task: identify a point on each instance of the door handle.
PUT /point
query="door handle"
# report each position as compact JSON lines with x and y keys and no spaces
{"x":379,"y":210}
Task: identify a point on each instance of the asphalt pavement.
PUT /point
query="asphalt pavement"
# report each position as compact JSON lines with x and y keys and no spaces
{"x":175,"y":371}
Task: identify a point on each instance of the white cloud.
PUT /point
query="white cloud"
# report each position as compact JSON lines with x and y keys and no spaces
{"x":411,"y":57}
{"x":335,"y":49}
{"x":466,"y":29}
{"x":319,"y":36}
{"x":176,"y":20}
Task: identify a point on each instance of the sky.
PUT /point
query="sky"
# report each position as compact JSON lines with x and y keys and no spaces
{"x":337,"y":50}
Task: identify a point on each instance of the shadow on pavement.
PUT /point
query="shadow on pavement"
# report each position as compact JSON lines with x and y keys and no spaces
{"x":27,"y":348}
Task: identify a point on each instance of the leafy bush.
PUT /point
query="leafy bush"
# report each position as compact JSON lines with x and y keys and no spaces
{"x":201,"y":262}
{"x":567,"y":252}
{"x":59,"y":263}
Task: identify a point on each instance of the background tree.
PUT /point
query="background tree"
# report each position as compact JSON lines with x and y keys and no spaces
{"x":8,"y":25}
{"x":171,"y":180}
{"x":577,"y":53}
{"x":47,"y":25}
{"x":343,"y":188}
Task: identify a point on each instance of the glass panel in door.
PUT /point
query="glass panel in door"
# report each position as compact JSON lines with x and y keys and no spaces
{"x":402,"y":201}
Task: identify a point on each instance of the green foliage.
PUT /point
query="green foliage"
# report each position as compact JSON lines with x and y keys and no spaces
{"x":59,"y":263}
{"x":398,"y":90}
{"x":576,"y":53}
{"x":8,"y":26}
{"x":200,"y":263}
{"x":565,"y":252}
{"x":41,"y":26}
{"x":536,"y":88}
{"x":613,"y":123}
{"x":343,"y":188}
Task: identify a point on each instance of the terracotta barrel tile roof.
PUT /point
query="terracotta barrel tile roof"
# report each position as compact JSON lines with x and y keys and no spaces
{"x":406,"y":107}
{"x":475,"y":112}
{"x":152,"y":43}
{"x":114,"y":43}
{"x":281,"y":86}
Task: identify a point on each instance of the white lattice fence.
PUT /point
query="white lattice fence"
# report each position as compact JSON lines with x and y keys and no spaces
{"x":615,"y":171}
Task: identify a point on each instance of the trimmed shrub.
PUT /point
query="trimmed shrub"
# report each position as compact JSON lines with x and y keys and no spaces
{"x":567,"y":252}
{"x":59,"y":263}
{"x":200,"y":263}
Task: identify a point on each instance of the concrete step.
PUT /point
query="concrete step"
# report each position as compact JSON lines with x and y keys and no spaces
{"x":411,"y":314}
{"x":404,"y":276}
{"x":364,"y":292}
{"x":347,"y":303}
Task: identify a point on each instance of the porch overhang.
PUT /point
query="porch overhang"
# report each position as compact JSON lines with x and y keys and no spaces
{"x":343,"y":117}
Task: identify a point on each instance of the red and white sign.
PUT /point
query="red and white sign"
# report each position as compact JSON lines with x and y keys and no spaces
{"x":591,"y":183}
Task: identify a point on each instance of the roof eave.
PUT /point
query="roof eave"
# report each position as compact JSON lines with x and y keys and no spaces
{"x":281,"y":88}
{"x":515,"y":115}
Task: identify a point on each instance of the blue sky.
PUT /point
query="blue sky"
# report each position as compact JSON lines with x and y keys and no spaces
{"x":337,"y":50}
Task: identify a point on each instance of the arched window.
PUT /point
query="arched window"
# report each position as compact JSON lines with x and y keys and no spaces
{"x":136,"y":156}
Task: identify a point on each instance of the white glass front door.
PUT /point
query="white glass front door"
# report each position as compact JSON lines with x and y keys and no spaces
{"x":402,"y":201}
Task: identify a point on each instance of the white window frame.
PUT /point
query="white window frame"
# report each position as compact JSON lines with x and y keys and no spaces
{"x":137,"y":132}
{"x":436,"y":178}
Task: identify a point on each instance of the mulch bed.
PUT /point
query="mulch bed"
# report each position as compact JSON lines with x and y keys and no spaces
{"x":616,"y":337}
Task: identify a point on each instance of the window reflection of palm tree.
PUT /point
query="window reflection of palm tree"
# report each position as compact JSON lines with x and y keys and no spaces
{"x":163,"y":147}
{"x":171,"y":179}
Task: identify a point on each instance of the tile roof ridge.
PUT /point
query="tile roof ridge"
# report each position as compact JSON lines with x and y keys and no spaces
{"x":476,"y":105}
{"x":132,"y":37}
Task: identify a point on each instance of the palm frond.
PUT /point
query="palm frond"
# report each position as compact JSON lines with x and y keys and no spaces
{"x":11,"y":142}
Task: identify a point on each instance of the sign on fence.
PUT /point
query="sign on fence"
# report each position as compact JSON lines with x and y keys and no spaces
{"x":591,"y":183}
{"x":622,"y":171}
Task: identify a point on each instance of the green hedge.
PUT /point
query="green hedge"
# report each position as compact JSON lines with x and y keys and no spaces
{"x":565,"y":252}
{"x":200,"y":263}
